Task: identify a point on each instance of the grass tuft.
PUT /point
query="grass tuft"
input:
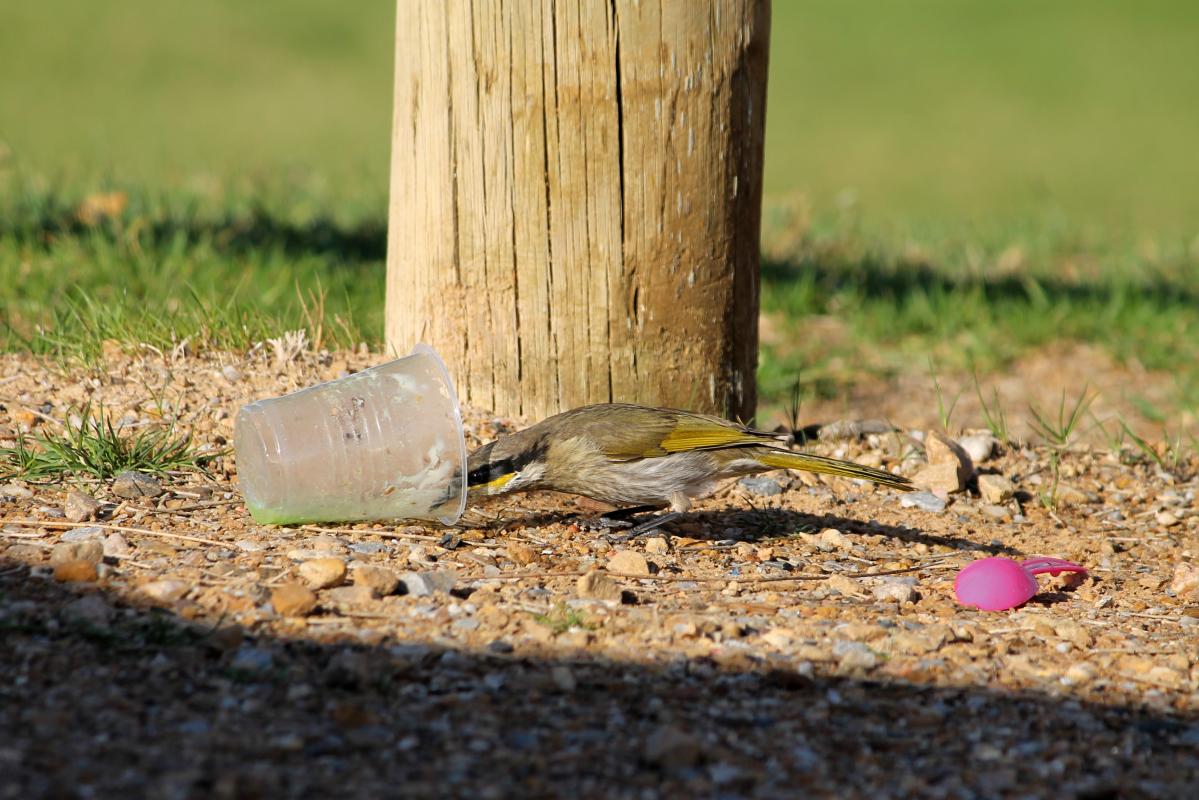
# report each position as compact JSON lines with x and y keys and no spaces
{"x":94,"y":448}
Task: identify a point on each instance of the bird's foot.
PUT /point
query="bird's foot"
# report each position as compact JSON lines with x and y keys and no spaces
{"x":604,"y":523}
{"x":650,"y":525}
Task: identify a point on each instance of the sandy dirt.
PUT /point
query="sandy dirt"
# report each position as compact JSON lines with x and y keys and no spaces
{"x":791,"y":637}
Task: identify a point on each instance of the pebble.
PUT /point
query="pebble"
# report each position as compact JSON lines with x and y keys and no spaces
{"x":423,"y":584}
{"x":671,"y":747}
{"x":854,"y":655}
{"x":90,"y":551}
{"x":116,"y":546}
{"x":630,"y":562}
{"x":779,"y":638}
{"x":521,"y":553}
{"x":249,"y":546}
{"x":656,"y":545}
{"x":833,"y":539}
{"x":1185,"y":584}
{"x":90,"y":609}
{"x":323,"y":573}
{"x":165,"y":590}
{"x":940,"y":449}
{"x":293,"y":599}
{"x":231,"y":373}
{"x":943,"y":478}
{"x":380,"y":580}
{"x":356,"y":595}
{"x":77,"y":571}
{"x":90,"y":533}
{"x":596,"y":585}
{"x":79,"y":506}
{"x":925,"y":501}
{"x":761,"y":485}
{"x":898,"y":589}
{"x":15,"y":491}
{"x":995,"y":489}
{"x":252,"y":659}
{"x":132,"y":485}
{"x":1166,"y":519}
{"x":564,"y":678}
{"x":997,"y":513}
{"x":979,"y":446}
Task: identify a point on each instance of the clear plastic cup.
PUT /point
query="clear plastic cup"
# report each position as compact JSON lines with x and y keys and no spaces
{"x":385,"y":443}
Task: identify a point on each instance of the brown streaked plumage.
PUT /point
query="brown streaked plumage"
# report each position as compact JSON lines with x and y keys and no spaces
{"x":628,"y":454}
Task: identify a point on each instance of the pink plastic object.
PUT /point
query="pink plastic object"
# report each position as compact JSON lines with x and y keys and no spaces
{"x":997,"y":584}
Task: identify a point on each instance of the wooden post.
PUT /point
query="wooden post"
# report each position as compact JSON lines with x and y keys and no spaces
{"x":576,"y":197}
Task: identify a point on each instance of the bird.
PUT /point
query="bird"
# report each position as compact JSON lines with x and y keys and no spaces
{"x":625,"y":454}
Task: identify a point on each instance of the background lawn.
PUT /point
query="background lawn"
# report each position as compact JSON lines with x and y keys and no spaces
{"x":960,"y":181}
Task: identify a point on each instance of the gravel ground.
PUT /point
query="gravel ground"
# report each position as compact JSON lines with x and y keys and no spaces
{"x":791,"y":636}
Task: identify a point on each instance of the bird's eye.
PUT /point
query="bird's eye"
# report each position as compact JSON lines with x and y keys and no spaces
{"x":486,"y":473}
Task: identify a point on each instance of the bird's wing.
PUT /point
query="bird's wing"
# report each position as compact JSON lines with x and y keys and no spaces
{"x":653,"y":433}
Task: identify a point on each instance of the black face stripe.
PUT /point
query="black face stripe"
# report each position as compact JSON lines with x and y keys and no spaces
{"x":489,"y":470}
{"x":486,"y":473}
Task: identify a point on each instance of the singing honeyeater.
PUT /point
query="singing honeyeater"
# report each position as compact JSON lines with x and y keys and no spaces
{"x":628,"y":454}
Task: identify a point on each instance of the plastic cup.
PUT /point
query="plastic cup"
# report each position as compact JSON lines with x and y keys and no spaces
{"x":385,"y":443}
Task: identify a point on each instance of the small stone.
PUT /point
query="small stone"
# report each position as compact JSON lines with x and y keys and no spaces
{"x":670,"y":747}
{"x":132,"y":485}
{"x":293,"y":599}
{"x":165,"y":590}
{"x":231,"y":373}
{"x":78,"y":571}
{"x":521,"y":553}
{"x":91,"y":551}
{"x":657,"y":546}
{"x":925,"y":501}
{"x":979,"y":446}
{"x":761,"y":485}
{"x":764,"y":554}
{"x":1166,"y":519}
{"x":88,"y":534}
{"x":14,"y":491}
{"x":897,"y":589}
{"x":854,"y":655}
{"x":833,"y":539}
{"x":1073,"y":632}
{"x":917,"y":642}
{"x":380,"y":580}
{"x":779,"y":638}
{"x":79,"y":506}
{"x":995,"y":489}
{"x":943,"y":478}
{"x":940,"y":449}
{"x":357,"y":595}
{"x":249,"y":546}
{"x":1185,"y":585}
{"x":423,"y":584}
{"x":996,"y":513}
{"x":252,"y":659}
{"x":845,"y":585}
{"x":89,"y":609}
{"x":1069,"y":496}
{"x":323,"y":573}
{"x":1080,"y":673}
{"x":629,"y":562}
{"x":596,"y":585}
{"x":116,"y":546}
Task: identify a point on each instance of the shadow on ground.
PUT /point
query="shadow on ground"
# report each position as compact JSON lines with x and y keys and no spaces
{"x":144,"y":704}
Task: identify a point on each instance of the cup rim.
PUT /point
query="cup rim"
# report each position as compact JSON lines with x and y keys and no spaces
{"x":423,"y":349}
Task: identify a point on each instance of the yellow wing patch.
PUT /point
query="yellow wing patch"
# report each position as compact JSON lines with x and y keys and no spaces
{"x":697,"y":434}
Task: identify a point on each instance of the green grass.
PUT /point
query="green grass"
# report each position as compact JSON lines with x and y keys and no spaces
{"x":954,"y":180}
{"x":92,"y":447}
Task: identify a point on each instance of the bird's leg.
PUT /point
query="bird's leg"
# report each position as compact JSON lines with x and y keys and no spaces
{"x":617,"y":518}
{"x":679,"y":505}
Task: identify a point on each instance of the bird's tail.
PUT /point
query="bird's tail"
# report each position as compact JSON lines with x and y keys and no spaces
{"x":810,"y":462}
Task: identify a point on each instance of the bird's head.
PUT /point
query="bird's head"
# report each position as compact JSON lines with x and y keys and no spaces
{"x":506,"y":465}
